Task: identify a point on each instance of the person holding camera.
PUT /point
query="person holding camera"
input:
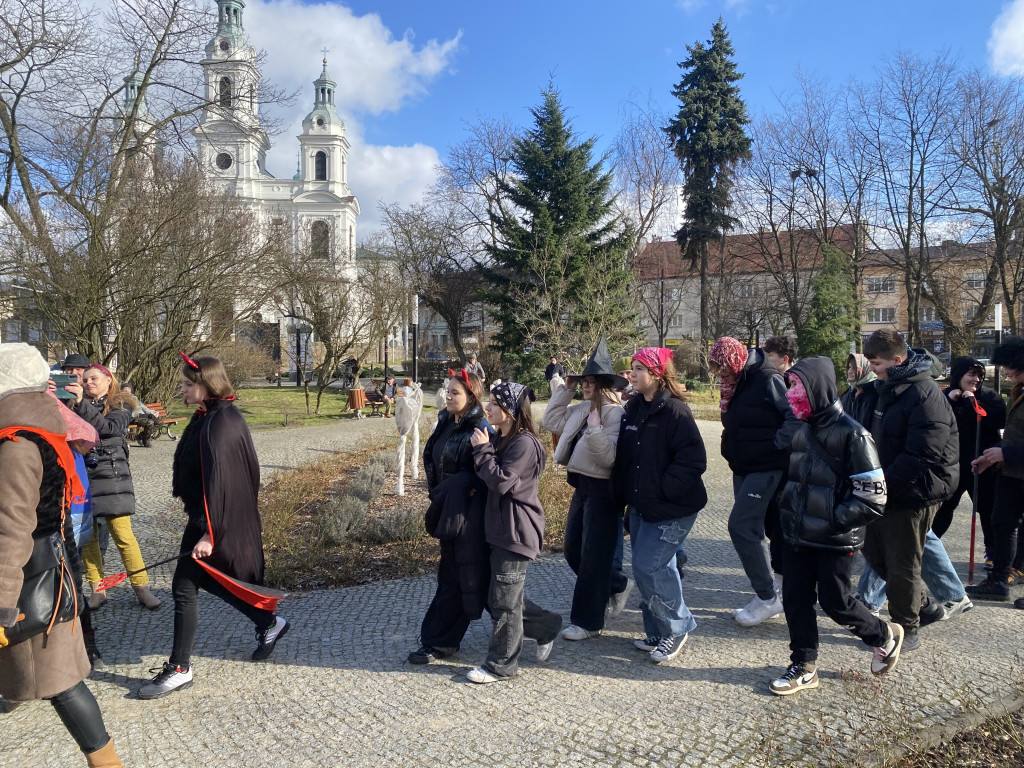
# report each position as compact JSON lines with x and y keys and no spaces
{"x":100,"y":402}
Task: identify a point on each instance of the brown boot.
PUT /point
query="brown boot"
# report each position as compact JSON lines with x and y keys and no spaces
{"x":105,"y":757}
{"x":96,"y":599}
{"x":146,"y":598}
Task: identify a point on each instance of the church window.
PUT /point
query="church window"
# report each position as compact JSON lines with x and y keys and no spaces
{"x":224,"y":92}
{"x":223,"y":161}
{"x":225,"y":45}
{"x":320,"y":241}
{"x":320,"y":166}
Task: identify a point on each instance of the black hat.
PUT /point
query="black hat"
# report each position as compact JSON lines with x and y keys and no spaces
{"x":600,"y":364}
{"x":1010,"y":354}
{"x":75,"y":360}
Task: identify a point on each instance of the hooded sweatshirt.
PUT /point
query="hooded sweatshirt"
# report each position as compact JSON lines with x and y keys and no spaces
{"x":835,"y":485}
{"x":973,"y":442}
{"x":859,"y":398}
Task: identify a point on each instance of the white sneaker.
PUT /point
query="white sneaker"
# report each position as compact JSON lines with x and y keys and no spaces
{"x":481,"y":675}
{"x":885,"y":657}
{"x":168,"y":679}
{"x":954,"y":607}
{"x":572,"y":632}
{"x":618,"y":601}
{"x":758,"y":610}
{"x":544,"y":651}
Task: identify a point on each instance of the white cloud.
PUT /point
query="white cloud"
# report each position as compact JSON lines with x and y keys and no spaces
{"x":1006,"y":43}
{"x":375,"y":72}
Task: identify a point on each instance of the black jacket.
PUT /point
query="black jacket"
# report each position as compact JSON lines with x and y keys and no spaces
{"x":513,"y":515}
{"x":858,"y":402}
{"x":827,"y":502}
{"x":967,"y":418}
{"x":458,"y":451}
{"x":663,"y":479}
{"x":110,"y":478}
{"x":758,"y":426}
{"x":916,"y":436}
{"x":216,"y":474}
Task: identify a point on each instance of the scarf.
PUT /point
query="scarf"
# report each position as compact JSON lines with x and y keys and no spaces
{"x":731,"y":356}
{"x":653,"y":359}
{"x":511,"y":397}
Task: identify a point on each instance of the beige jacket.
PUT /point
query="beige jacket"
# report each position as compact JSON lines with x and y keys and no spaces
{"x":28,"y":670}
{"x":594,"y":454}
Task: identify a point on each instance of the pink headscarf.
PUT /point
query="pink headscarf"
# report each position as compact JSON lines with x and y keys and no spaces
{"x":82,"y":435}
{"x":731,"y":356}
{"x":653,"y":359}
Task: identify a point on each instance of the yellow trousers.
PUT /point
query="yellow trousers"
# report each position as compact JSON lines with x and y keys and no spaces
{"x":121,"y":532}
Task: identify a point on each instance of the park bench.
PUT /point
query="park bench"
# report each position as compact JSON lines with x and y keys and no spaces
{"x":163,"y":423}
{"x":374,"y":402}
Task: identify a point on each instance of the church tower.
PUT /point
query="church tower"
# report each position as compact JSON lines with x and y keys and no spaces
{"x":231,"y":142}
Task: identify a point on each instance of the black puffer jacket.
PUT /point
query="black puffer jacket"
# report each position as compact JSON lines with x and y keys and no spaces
{"x":660,"y":458}
{"x":458,"y":451}
{"x":916,"y":435}
{"x":820,"y":507}
{"x":110,"y":478}
{"x":967,"y":418}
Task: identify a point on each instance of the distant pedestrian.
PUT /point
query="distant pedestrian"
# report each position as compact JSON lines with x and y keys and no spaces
{"x":859,"y":398}
{"x":509,"y":463}
{"x":388,"y":391}
{"x":474,"y":367}
{"x":659,"y":463}
{"x":554,"y":368}
{"x":834,"y":488}
{"x":456,"y":518}
{"x":217,"y":477}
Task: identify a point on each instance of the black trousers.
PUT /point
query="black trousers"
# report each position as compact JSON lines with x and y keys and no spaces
{"x":823,"y":576}
{"x":893,"y":546}
{"x":591,"y":535}
{"x":81,"y":715}
{"x":446,"y":620}
{"x":189,"y":577}
{"x":1007,"y":516}
{"x":986,"y":501}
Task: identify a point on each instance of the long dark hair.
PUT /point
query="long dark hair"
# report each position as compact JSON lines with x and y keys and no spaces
{"x":521,"y":423}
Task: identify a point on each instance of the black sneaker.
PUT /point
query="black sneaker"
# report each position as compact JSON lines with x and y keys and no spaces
{"x":911,"y":642}
{"x":1019,"y":603}
{"x":796,"y":678}
{"x":268,"y":638}
{"x":931,"y":612}
{"x":425,"y":654}
{"x":169,"y":678}
{"x":990,"y":589}
{"x":668,"y":648}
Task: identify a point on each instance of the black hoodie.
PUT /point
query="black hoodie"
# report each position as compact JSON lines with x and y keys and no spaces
{"x":967,"y":417}
{"x":916,"y":435}
{"x":835,"y":485}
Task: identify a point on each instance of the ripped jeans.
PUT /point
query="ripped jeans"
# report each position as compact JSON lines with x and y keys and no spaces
{"x":654,"y":570}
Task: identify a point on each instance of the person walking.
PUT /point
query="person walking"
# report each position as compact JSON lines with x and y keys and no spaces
{"x":473,"y":367}
{"x":456,"y":518}
{"x":834,"y":489}
{"x":509,"y":463}
{"x":859,"y":398}
{"x":36,"y":468}
{"x":101,"y":403}
{"x":554,"y":368}
{"x":588,"y":434}
{"x":659,"y":463}
{"x":217,"y":477}
{"x":757,"y":426}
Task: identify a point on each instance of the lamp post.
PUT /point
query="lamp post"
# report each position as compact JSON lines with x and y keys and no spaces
{"x":415,"y":344}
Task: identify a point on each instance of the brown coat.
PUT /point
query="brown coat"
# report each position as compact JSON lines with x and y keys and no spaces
{"x":30,"y":670}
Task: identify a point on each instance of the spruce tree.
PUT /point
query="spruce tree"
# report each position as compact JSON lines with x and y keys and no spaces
{"x":709,"y":140}
{"x":558,"y":276}
{"x":831,"y":323}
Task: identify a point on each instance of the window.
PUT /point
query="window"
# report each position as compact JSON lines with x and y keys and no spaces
{"x":320,"y":242}
{"x":928,"y":314}
{"x":320,"y":166}
{"x":745,"y":291}
{"x":12,"y":331}
{"x":882,"y":315}
{"x":976,"y":281}
{"x":676,"y":321}
{"x":881,"y":285}
{"x":224,"y":92}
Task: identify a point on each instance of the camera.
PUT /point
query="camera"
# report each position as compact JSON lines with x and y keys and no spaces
{"x":62,"y":380}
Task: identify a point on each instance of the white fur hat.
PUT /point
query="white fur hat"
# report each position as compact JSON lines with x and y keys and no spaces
{"x":22,"y":369}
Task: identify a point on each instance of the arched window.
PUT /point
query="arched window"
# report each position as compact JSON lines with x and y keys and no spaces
{"x":320,"y":166}
{"x":320,"y":241}
{"x":224,"y":94}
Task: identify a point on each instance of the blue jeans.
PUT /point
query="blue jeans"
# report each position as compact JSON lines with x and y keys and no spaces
{"x":620,"y":550}
{"x":937,"y":572}
{"x":654,"y":569}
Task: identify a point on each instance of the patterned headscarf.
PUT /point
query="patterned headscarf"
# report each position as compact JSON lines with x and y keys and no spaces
{"x":511,"y":397}
{"x":653,"y":359}
{"x":730,"y":355}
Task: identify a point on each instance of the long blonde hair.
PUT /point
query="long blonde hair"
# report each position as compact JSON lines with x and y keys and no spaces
{"x":604,"y":393}
{"x":115,"y":397}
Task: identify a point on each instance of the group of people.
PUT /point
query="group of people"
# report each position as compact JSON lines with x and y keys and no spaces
{"x":54,"y":458}
{"x":816,"y":478}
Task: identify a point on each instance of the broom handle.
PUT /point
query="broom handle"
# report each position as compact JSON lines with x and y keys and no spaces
{"x":162,"y":562}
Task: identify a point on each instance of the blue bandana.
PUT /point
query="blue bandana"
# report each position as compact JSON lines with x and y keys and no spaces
{"x":511,"y":396}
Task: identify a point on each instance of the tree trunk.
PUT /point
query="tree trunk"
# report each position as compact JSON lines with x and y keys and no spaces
{"x":705,"y":306}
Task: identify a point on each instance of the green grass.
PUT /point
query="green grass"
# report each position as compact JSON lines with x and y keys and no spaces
{"x":277,"y":407}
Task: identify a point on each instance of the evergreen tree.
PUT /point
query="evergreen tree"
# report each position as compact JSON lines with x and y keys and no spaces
{"x":833,"y":313}
{"x":709,"y":140}
{"x":558,"y":275}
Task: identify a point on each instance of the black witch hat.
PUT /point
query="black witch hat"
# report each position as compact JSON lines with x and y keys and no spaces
{"x":600,"y":366}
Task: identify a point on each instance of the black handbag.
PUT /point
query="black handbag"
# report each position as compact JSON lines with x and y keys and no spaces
{"x":49,"y":594}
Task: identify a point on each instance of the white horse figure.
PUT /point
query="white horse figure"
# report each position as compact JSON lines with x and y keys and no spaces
{"x":555,"y":382}
{"x":440,"y":401}
{"x":408,"y":408}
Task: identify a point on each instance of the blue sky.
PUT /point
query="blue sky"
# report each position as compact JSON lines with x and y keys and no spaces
{"x":411,"y":74}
